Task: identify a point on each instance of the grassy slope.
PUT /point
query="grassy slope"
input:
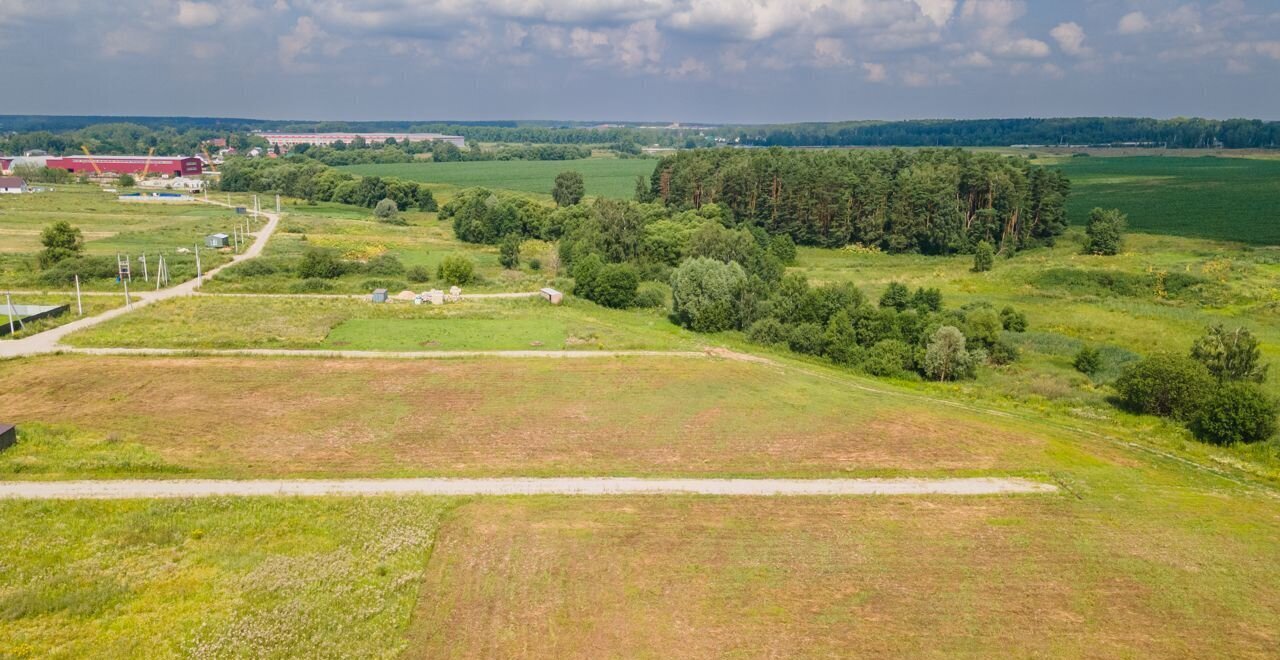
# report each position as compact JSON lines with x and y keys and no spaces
{"x":604,"y":177}
{"x":254,"y":577}
{"x":1220,"y":198}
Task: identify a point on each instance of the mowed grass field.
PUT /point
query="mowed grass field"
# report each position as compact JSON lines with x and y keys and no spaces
{"x":221,"y":577}
{"x":1233,"y":199}
{"x":644,"y":416}
{"x":1139,"y":562}
{"x":604,"y":177}
{"x":228,"y":322}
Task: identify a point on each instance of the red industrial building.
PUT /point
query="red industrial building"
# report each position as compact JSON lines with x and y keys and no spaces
{"x":159,"y":165}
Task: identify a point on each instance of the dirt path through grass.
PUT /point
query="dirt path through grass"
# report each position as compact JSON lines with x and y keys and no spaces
{"x":127,"y":489}
{"x":389,"y":355}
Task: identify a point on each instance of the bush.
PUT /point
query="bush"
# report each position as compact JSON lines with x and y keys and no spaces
{"x":651,"y":294}
{"x":61,"y":241}
{"x":1235,"y":413}
{"x":88,"y":268}
{"x":1230,"y":355}
{"x":418,"y":274}
{"x":320,"y":263}
{"x":1088,"y":361}
{"x":311,"y":285}
{"x":535,"y":264}
{"x":841,"y":339}
{"x":381,"y":283}
{"x":890,"y":358}
{"x":782,"y":247}
{"x":509,"y":251}
{"x":705,"y":294}
{"x":984,"y":257}
{"x":126,"y":181}
{"x":1013,"y":320}
{"x":896,"y":296}
{"x":615,"y":286}
{"x":387,"y":210}
{"x":1104,"y":232}
{"x":1166,"y":385}
{"x":807,"y":339}
{"x":456,"y":270}
{"x":768,"y":332}
{"x":946,"y":357}
{"x":385,"y":265}
{"x":1002,"y":352}
{"x":253,"y":268}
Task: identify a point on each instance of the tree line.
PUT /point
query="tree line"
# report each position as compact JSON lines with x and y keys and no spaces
{"x":314,"y":181}
{"x":358,"y":152}
{"x":928,"y":201}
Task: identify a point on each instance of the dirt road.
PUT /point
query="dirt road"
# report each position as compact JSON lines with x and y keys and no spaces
{"x":519,"y":486}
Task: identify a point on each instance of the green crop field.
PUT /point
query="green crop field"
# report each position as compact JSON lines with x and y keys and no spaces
{"x":1236,"y":199}
{"x":605,"y":177}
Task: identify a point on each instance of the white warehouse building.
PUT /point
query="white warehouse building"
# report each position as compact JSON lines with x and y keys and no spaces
{"x":287,"y":140}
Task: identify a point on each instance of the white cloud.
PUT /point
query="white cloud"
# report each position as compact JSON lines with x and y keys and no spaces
{"x":828,"y":52}
{"x":938,"y":11}
{"x":1070,"y":38}
{"x":196,"y":14}
{"x":691,"y":68}
{"x":875,"y":72}
{"x":993,"y":13}
{"x":1134,"y":23}
{"x":1023,"y":47}
{"x":976,"y":59}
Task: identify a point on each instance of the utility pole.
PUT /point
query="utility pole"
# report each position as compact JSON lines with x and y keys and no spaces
{"x":8,"y":310}
{"x":79,"y":305}
{"x":128,"y":304}
{"x":146,"y":276}
{"x":197,"y":263}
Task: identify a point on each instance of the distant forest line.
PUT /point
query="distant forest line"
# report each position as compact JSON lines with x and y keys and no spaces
{"x":65,"y":133}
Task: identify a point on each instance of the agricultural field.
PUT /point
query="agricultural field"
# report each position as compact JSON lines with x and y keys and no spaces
{"x":604,"y":177}
{"x":1230,"y":199}
{"x":110,"y":227}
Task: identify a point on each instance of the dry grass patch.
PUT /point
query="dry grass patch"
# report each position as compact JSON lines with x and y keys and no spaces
{"x":791,"y":577}
{"x":623,"y":416}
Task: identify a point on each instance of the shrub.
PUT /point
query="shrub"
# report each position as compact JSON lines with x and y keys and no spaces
{"x":841,"y":339}
{"x":386,"y":210}
{"x":1002,"y":352}
{"x":126,"y":181}
{"x":782,"y":247}
{"x":1013,"y":320}
{"x":382,"y":283}
{"x":418,"y":273}
{"x":984,"y":257}
{"x":1104,"y":233}
{"x":320,"y":263}
{"x":1166,"y":385}
{"x":615,"y":286}
{"x":65,"y":271}
{"x":896,"y":296}
{"x":1235,"y":413}
{"x":806,"y":338}
{"x":984,"y":326}
{"x":946,"y":357}
{"x":253,"y":268}
{"x":311,"y":285}
{"x":535,"y":264}
{"x":768,"y":332}
{"x":890,"y":358}
{"x":385,"y":264}
{"x":509,"y":251}
{"x":651,"y":294}
{"x":61,"y":241}
{"x":456,"y":270}
{"x":705,"y":294}
{"x":1088,"y":360}
{"x":1230,"y":355}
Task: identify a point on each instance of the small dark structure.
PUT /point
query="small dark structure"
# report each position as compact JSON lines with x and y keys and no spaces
{"x":240,"y":210}
{"x":379,"y":295}
{"x":8,"y":435}
{"x":27,"y":314}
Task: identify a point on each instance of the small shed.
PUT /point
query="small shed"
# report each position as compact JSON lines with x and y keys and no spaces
{"x":8,"y":435}
{"x":241,"y":210}
{"x":379,"y":295}
{"x":217,"y":241}
{"x":554,"y":297}
{"x":12,"y":185}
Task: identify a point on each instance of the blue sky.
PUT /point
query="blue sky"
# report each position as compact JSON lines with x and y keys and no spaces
{"x":683,"y":60}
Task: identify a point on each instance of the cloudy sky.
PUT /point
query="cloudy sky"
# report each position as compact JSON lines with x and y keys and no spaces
{"x":685,"y":60}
